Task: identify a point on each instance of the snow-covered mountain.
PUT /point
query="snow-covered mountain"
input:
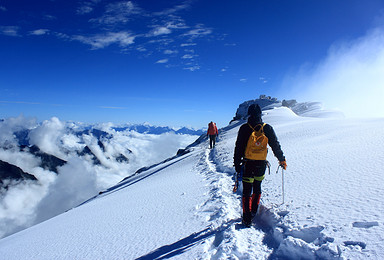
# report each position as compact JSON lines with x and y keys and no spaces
{"x":47,"y":168}
{"x":184,"y":208}
{"x":151,"y":129}
{"x":307,"y":109}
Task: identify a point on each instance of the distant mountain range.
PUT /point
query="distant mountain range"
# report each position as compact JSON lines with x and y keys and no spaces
{"x":150,"y":129}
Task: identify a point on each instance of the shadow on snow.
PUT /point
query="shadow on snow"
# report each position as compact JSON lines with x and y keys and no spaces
{"x":186,"y":243}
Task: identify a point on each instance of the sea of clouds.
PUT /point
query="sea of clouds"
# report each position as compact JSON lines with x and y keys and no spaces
{"x":26,"y":203}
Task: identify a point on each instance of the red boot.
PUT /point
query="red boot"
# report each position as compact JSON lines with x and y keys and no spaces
{"x":254,"y":203}
{"x":247,"y":216}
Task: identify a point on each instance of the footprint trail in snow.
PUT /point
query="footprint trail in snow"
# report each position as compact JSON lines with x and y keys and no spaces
{"x":270,"y":237}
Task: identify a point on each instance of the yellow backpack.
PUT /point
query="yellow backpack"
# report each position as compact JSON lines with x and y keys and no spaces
{"x":256,"y":148}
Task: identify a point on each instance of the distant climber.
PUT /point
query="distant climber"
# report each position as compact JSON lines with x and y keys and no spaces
{"x":250,"y":158}
{"x":212,"y":133}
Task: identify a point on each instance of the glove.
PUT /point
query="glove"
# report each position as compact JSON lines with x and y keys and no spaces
{"x":238,"y":168}
{"x":283,"y":164}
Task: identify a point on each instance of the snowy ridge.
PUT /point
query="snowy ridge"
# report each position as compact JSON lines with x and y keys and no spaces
{"x":184,"y":208}
{"x":307,"y":109}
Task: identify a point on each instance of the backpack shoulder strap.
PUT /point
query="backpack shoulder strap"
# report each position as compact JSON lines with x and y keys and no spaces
{"x":261,"y":127}
{"x":253,"y":129}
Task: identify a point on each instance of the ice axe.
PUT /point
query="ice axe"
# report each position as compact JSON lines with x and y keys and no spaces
{"x":238,"y":178}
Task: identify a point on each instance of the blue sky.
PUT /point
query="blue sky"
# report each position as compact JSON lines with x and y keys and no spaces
{"x":179,"y":63}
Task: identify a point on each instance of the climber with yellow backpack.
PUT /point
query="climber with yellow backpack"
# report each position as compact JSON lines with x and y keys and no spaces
{"x":250,"y":158}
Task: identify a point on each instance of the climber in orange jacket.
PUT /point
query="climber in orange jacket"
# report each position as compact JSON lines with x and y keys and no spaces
{"x":212,"y":133}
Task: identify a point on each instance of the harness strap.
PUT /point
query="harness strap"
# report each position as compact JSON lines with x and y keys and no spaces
{"x":253,"y":179}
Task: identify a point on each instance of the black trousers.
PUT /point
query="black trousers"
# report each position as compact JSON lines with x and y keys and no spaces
{"x":212,"y":140}
{"x":253,"y":170}
{"x":252,"y":177}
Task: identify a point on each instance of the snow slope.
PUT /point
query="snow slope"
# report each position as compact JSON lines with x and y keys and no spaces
{"x":185,"y":207}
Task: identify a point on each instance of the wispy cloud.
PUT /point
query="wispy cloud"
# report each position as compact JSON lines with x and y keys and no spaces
{"x":20,"y":102}
{"x":152,"y":34}
{"x":187,"y":56}
{"x":39,"y":32}
{"x":170,"y":52}
{"x":193,"y":68}
{"x":2,"y":8}
{"x":162,"y":61}
{"x":10,"y":31}
{"x":118,"y":13}
{"x":187,"y":44}
{"x":175,"y":9}
{"x":87,"y":7}
{"x":161,"y":30}
{"x":49,"y":17}
{"x":103,"y":40}
{"x":198,"y":32}
{"x":111,"y":107}
{"x":5,"y":102}
{"x":263,"y":80}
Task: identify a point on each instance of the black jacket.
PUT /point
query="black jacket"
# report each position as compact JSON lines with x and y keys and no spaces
{"x":245,"y":132}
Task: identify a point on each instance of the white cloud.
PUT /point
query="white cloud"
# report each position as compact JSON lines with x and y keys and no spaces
{"x":162,"y":61}
{"x":263,"y":80}
{"x":10,"y":30}
{"x":175,"y":9}
{"x":39,"y":32}
{"x":11,"y":125}
{"x":169,"y":52}
{"x":350,"y":78}
{"x":2,"y":8}
{"x":187,"y":56}
{"x":74,"y":184}
{"x":187,"y":44}
{"x":176,"y":23}
{"x":62,"y":36}
{"x":47,"y":136}
{"x":159,"y":31}
{"x":243,"y":80}
{"x":141,"y":49}
{"x":49,"y":17}
{"x":86,"y":9}
{"x":103,"y":40}
{"x":18,"y":204}
{"x":192,"y":68}
{"x":118,"y":13}
{"x":198,"y":32}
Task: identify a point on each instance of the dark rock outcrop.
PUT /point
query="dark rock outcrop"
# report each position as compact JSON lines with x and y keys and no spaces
{"x":265,"y":102}
{"x":11,"y":172}
{"x":48,"y":161}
